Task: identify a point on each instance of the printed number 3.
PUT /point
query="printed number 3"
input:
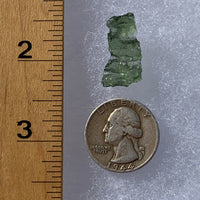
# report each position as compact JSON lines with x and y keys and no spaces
{"x":27,"y":128}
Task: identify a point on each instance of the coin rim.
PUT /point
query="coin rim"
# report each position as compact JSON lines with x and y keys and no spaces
{"x":138,"y":167}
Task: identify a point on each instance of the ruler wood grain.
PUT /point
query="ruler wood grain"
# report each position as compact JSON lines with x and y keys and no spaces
{"x":31,"y":99}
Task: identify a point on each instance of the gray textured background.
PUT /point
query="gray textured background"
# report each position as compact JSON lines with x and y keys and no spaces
{"x":169,"y":33}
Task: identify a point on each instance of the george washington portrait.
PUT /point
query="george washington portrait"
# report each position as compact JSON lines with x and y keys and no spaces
{"x":123,"y":131}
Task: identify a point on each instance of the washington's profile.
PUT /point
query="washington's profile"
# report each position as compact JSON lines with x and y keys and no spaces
{"x":123,"y":131}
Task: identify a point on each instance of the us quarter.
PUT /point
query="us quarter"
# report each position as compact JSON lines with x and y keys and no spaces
{"x":121,"y":135}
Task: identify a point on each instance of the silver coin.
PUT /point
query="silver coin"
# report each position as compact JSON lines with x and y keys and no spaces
{"x":121,"y":135}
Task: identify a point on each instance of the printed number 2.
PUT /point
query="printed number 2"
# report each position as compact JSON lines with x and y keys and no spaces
{"x":27,"y":128}
{"x":23,"y":54}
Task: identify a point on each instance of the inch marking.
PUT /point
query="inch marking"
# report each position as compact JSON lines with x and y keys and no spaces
{"x":48,"y":20}
{"x":45,"y":100}
{"x":39,"y":60}
{"x":55,"y":90}
{"x":39,"y":140}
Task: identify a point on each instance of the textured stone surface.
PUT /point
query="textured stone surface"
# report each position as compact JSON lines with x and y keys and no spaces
{"x":124,"y":66}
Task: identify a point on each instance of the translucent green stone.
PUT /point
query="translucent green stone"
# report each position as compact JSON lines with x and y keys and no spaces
{"x":124,"y":66}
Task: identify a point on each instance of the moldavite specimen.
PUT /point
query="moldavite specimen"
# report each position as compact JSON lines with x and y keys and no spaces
{"x":124,"y":66}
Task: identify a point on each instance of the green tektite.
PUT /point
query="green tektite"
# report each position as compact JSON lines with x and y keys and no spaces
{"x":124,"y":66}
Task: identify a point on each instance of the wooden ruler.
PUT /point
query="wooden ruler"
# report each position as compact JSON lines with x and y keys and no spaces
{"x":31,"y":99}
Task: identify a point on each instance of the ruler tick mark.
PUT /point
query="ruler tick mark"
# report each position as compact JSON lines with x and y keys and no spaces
{"x":57,"y":25}
{"x":54,"y":193}
{"x":39,"y":141}
{"x":55,"y":70}
{"x":52,"y":0}
{"x":56,"y":126}
{"x":55,"y":90}
{"x":57,"y":145}
{"x":54,"y":130}
{"x":55,"y":10}
{"x":58,"y":45}
{"x":61,"y":5}
{"x":52,"y":120}
{"x":56,"y":135}
{"x":55,"y":49}
{"x":46,"y":181}
{"x":57,"y":105}
{"x":52,"y":40}
{"x":57,"y":95}
{"x":54,"y":171}
{"x":44,"y":100}
{"x":54,"y":110}
{"x":54,"y":30}
{"x":52,"y":80}
{"x":54,"y":151}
